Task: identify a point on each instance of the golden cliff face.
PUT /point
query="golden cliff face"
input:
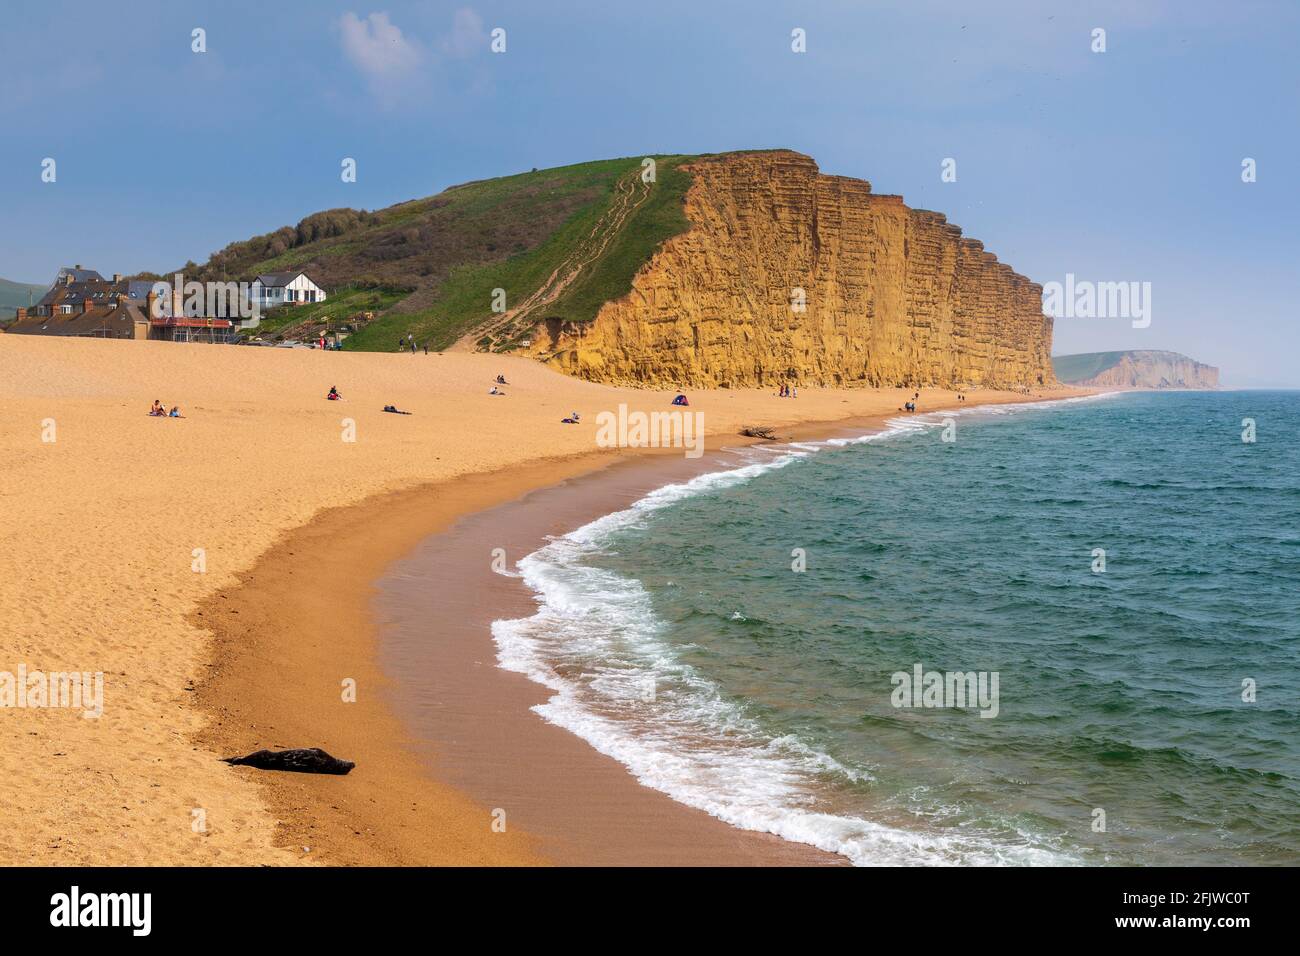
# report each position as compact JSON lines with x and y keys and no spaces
{"x":892,"y":295}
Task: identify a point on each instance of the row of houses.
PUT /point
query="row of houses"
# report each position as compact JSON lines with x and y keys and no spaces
{"x":81,"y":302}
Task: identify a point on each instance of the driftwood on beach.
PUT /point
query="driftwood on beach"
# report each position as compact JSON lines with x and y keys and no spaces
{"x":759,"y":431}
{"x":300,"y":760}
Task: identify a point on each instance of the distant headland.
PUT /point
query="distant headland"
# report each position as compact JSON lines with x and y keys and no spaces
{"x":1142,"y":368}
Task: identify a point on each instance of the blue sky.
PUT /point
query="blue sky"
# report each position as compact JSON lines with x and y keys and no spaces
{"x":1115,"y":166}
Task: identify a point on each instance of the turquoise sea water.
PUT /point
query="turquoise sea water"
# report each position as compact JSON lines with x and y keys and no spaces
{"x":678,"y":638}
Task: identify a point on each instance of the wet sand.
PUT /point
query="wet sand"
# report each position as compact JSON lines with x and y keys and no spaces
{"x":435,"y":609}
{"x":441,"y":736}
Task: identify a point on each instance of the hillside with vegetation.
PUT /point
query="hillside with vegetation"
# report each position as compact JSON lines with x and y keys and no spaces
{"x":558,"y":242}
{"x":16,"y":295}
{"x":1083,"y":366}
{"x":344,"y":307}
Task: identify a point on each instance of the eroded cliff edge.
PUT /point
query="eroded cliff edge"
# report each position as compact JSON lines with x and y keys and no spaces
{"x":894,"y":296}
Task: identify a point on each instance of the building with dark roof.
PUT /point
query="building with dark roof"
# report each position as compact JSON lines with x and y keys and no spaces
{"x":78,"y":274}
{"x":94,"y":307}
{"x":286,"y":288}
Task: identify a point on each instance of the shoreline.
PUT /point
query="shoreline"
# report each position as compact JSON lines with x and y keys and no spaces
{"x":474,"y":719}
{"x":389,"y":812}
{"x":413,"y":793}
{"x":124,"y":531}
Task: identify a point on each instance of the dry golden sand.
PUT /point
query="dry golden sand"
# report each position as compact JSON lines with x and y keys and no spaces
{"x":98,"y":530}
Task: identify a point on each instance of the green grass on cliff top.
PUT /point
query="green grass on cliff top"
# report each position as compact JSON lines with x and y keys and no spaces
{"x":451,"y":250}
{"x":1085,"y":365}
{"x":463,"y":299}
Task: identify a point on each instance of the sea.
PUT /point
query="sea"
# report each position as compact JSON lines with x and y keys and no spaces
{"x":1063,"y":633}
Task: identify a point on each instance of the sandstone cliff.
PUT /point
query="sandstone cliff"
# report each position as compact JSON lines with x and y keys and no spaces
{"x":890,"y":295}
{"x":1135,"y":369}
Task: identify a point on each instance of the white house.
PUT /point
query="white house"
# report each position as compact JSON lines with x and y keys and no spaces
{"x":286,"y":288}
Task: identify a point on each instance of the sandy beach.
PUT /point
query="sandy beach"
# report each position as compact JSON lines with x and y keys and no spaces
{"x":220,"y":571}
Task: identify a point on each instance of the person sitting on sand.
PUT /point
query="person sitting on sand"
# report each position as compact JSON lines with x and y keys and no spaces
{"x":573,"y":419}
{"x":495,"y":391}
{"x":334,"y":395}
{"x":680,"y":400}
{"x":175,"y":412}
{"x":158,"y":411}
{"x":501,"y":380}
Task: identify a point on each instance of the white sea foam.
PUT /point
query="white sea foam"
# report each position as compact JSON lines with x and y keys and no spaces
{"x":621,"y":686}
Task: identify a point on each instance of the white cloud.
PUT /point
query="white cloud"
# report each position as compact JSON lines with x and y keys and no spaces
{"x":378,"y":49}
{"x":396,"y":64}
{"x":467,"y":34}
